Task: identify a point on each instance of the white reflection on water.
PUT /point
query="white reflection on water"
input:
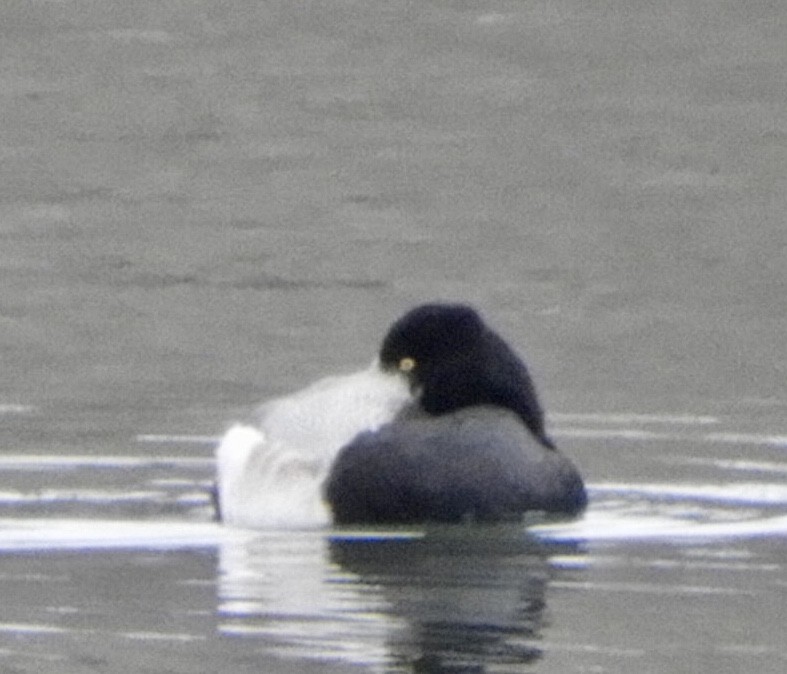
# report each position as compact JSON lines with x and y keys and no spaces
{"x":450,"y":598}
{"x":284,"y":589}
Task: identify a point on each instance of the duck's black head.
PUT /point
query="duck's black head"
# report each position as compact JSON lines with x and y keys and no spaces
{"x":456,"y":361}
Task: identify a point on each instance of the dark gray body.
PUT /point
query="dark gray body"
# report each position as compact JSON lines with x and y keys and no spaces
{"x":478,"y":463}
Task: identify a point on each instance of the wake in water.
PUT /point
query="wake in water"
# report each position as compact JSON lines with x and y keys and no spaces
{"x":179,"y":510}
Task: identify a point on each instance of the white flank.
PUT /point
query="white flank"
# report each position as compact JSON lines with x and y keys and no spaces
{"x":270,"y":473}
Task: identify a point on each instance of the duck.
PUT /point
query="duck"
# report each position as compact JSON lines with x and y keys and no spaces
{"x":445,"y":426}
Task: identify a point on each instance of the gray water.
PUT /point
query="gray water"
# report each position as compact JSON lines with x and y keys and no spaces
{"x":205,"y":204}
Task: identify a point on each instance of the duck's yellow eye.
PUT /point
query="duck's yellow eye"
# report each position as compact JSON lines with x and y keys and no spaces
{"x":406,"y":364}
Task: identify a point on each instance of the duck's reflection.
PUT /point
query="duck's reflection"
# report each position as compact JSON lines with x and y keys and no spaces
{"x":457,"y":599}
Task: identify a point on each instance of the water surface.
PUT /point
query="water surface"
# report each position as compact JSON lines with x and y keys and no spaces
{"x":206,"y":203}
